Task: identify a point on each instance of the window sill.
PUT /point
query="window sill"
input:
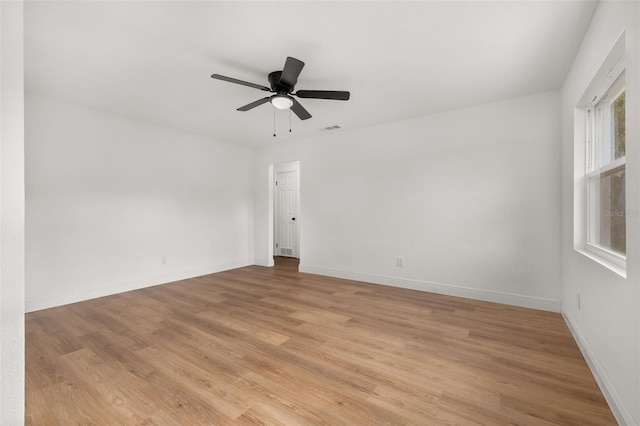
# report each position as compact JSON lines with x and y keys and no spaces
{"x":620,"y":270}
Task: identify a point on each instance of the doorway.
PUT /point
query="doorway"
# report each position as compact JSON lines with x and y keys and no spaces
{"x":286,"y":212}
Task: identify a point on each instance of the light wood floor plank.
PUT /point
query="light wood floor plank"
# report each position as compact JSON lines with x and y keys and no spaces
{"x":272,"y":346}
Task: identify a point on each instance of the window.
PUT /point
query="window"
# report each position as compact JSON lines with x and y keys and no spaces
{"x":605,"y":169}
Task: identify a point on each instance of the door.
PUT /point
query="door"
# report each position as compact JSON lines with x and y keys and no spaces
{"x":286,"y":212}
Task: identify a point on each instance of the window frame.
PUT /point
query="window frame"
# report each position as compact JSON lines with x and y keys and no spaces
{"x":605,"y":88}
{"x":598,"y":125}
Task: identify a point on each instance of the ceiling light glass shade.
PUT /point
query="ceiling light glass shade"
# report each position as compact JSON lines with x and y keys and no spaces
{"x":281,"y":102}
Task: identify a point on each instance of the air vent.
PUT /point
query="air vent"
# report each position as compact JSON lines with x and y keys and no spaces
{"x":286,"y":251}
{"x":334,"y":127}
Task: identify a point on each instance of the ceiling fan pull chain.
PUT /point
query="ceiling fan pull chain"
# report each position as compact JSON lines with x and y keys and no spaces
{"x":289,"y":120}
{"x":274,"y":122}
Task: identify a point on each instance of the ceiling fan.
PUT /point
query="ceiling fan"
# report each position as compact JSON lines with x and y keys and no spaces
{"x":282,"y":84}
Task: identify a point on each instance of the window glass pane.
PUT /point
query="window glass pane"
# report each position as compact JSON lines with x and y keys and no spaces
{"x":607,"y":210}
{"x":617,"y":110}
{"x":609,"y":126}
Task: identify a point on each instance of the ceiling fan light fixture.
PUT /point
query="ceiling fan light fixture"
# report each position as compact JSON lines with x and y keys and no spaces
{"x":281,"y":101}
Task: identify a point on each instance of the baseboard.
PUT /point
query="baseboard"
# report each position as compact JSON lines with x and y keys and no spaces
{"x":447,"y":289}
{"x":619,"y":410}
{"x":121,"y":287}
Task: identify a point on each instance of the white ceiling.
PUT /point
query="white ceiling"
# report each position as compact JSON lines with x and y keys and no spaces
{"x":152,"y":60}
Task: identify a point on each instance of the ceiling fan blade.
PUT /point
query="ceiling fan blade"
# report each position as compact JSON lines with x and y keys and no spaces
{"x":291,"y":71}
{"x":299,"y":110}
{"x":323,"y":94}
{"x":254,"y":104}
{"x":236,"y":81}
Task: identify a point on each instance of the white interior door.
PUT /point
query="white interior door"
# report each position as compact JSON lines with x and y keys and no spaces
{"x":286,"y":212}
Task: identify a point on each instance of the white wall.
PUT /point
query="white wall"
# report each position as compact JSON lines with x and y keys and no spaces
{"x":11,"y":214}
{"x":469,"y":198}
{"x":607,"y":323}
{"x":108,"y":197}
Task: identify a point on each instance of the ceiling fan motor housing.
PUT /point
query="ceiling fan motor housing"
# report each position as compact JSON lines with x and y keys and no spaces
{"x":276,"y":85}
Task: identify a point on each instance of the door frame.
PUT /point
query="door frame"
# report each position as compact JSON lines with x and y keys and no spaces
{"x":274,"y":169}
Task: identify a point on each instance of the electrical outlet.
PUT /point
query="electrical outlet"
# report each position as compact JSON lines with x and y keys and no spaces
{"x":163,"y":260}
{"x":400,"y":262}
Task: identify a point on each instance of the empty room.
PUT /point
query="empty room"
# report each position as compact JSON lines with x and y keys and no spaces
{"x":320,"y":213}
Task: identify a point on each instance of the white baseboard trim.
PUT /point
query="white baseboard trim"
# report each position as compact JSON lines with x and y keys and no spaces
{"x":121,"y":287}
{"x":619,"y":410}
{"x":446,"y":289}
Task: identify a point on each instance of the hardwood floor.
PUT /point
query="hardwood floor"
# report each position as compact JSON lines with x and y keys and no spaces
{"x":290,"y":264}
{"x":276,"y":347}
